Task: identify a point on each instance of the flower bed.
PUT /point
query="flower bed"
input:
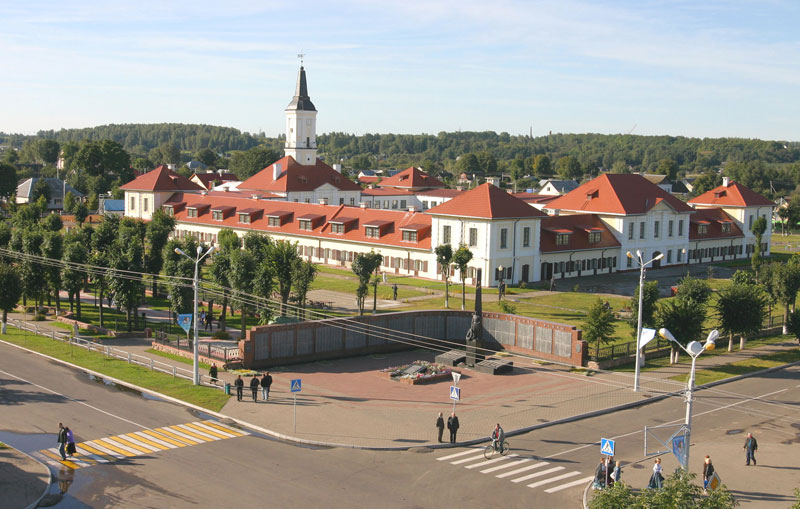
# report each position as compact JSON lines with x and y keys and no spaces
{"x":430,"y":372}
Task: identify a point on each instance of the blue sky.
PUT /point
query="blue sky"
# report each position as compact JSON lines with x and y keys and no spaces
{"x":707,"y":68}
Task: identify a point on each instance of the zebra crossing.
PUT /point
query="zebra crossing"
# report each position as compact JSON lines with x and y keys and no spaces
{"x":541,"y":473}
{"x":146,"y":441}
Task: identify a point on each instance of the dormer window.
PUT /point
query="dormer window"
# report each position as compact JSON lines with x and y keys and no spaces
{"x":702,"y":229}
{"x":593,"y":193}
{"x":191,"y":212}
{"x":726,"y":227}
{"x":595,"y":237}
{"x":337,"y":228}
{"x":372,"y":232}
{"x":168,"y":210}
{"x":216,"y":215}
{"x":305,"y":224}
{"x":244,"y":217}
{"x":409,"y":236}
{"x":562,"y":239}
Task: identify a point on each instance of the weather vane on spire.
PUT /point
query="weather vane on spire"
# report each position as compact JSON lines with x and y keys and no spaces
{"x":300,"y":56}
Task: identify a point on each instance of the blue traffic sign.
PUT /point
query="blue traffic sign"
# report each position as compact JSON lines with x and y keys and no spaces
{"x":296,"y":385}
{"x":455,"y":393}
{"x":185,"y":321}
{"x":606,"y":447}
{"x":679,"y":449}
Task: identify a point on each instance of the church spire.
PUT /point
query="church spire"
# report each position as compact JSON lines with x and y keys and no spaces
{"x":301,"y":124}
{"x":301,"y":101}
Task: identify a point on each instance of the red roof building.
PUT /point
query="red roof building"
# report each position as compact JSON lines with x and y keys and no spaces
{"x":207,"y":180}
{"x":412,"y":179}
{"x":486,"y":201}
{"x":162,"y":179}
{"x":575,"y":232}
{"x":732,"y":194}
{"x":286,"y":176}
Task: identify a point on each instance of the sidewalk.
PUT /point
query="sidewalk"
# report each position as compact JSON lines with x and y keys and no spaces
{"x":23,"y":480}
{"x":349,"y":402}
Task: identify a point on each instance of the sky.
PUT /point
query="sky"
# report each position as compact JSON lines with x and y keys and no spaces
{"x":705,"y":68}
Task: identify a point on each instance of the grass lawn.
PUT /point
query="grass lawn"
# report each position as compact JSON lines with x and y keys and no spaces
{"x":337,"y":284}
{"x":178,"y":358}
{"x":703,"y":376}
{"x":212,"y":399}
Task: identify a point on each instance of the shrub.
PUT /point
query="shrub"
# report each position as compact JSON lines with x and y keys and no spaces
{"x":221,"y":334}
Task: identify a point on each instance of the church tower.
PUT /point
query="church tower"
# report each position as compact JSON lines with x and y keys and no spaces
{"x":301,"y":125}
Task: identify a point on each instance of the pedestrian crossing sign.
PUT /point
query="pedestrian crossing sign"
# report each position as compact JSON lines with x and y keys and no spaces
{"x":606,"y":447}
{"x":455,"y":393}
{"x":296,"y":385}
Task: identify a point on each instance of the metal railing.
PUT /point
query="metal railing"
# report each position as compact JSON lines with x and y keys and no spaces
{"x":219,"y":352}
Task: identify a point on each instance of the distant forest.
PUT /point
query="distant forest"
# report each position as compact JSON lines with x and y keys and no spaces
{"x":762,"y":165}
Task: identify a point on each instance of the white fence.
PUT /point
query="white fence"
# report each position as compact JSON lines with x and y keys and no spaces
{"x":112,"y":352}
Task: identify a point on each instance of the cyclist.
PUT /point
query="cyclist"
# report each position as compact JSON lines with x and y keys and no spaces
{"x":498,"y":437}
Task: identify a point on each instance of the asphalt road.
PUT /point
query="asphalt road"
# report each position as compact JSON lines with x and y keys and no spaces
{"x":252,"y":470}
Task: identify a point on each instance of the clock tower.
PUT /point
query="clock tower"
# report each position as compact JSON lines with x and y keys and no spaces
{"x":301,"y":125}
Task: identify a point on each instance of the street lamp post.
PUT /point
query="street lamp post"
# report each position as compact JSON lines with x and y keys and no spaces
{"x":500,"y":286}
{"x":693,"y":350}
{"x":642,"y":266}
{"x":196,"y":285}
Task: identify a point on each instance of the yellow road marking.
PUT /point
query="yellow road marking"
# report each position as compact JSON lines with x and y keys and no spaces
{"x":104,"y":442}
{"x":163,"y":437}
{"x":97,"y":452}
{"x":131,"y":444}
{"x":225,"y":429}
{"x":195,"y":435}
{"x":177,"y":437}
{"x":207,"y":431}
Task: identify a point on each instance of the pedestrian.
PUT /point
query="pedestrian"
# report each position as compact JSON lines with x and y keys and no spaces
{"x":212,"y":372}
{"x":239,"y":388}
{"x":70,"y":442}
{"x":254,"y":387}
{"x":62,"y":441}
{"x":600,"y":475}
{"x":750,"y":448}
{"x":202,"y":317}
{"x":452,"y":425}
{"x":266,"y":382}
{"x":394,"y":291}
{"x":208,"y":321}
{"x":609,"y":471}
{"x":657,"y":479}
{"x":616,"y":474}
{"x":440,"y":425}
{"x":708,"y":473}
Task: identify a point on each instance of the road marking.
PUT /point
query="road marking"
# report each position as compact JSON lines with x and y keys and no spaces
{"x":224,"y":427}
{"x":153,"y":441}
{"x":180,"y":437}
{"x":467,"y":460}
{"x":133,"y":445}
{"x":195,"y":432}
{"x":470,"y":451}
{"x":493,"y":460}
{"x":155,"y":435}
{"x":116,"y":446}
{"x":569,"y":484}
{"x":537,"y":474}
{"x":523,"y":469}
{"x":187,"y":432}
{"x":209,"y":429}
{"x":554,"y":479}
{"x":104,"y":453}
{"x":506,"y":465}
{"x":99,"y":458}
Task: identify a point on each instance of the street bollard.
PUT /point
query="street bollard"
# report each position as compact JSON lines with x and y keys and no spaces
{"x":129,"y":357}
{"x":151,"y":364}
{"x":173,"y":371}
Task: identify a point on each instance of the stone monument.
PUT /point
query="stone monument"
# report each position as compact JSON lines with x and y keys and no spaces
{"x":475,"y":333}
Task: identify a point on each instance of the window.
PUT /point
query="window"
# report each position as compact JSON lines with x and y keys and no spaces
{"x":702,"y":229}
{"x":144,"y":205}
{"x":403,"y":204}
{"x":669,"y":255}
{"x":243,"y":218}
{"x":680,"y":228}
{"x":473,"y":237}
{"x":169,"y":211}
{"x":273,"y":221}
{"x":630,"y":262}
{"x":352,"y":201}
{"x":377,"y":204}
{"x":372,"y":232}
{"x":191,"y":212}
{"x":750,"y":223}
{"x":216,"y":215}
{"x":409,"y":236}
{"x":341,"y":201}
{"x":337,"y":228}
{"x":630,"y":231}
{"x":305,"y":224}
{"x":308,"y":200}
{"x":680,"y":255}
{"x":526,"y":236}
{"x":726,"y":227}
{"x":386,"y":204}
{"x":641,"y":230}
{"x":595,"y":237}
{"x":424,"y":205}
{"x":394,"y":204}
{"x":669,"y":228}
{"x":445,"y":234}
{"x":133,"y":203}
{"x":503,"y":238}
{"x":656,"y":228}
{"x":562,"y":239}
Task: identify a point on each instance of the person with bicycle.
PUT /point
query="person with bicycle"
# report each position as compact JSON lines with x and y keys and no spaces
{"x":498,"y":437}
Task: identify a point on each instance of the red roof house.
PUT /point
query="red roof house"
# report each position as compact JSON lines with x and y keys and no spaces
{"x":486,"y":201}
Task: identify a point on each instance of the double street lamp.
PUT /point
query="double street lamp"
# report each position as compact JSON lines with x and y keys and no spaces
{"x":196,"y":285}
{"x":642,"y":266}
{"x":693,"y":349}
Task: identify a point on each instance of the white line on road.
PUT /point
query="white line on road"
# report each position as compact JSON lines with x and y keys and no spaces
{"x":467,"y":460}
{"x":506,"y":465}
{"x":569,"y":484}
{"x":554,"y":479}
{"x":456,"y":455}
{"x":537,"y":474}
{"x":493,"y":460}
{"x":523,"y":469}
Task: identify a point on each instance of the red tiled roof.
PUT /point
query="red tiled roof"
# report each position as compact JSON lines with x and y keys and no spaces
{"x":713,"y":218}
{"x":161,"y":179}
{"x":297,"y":177}
{"x":441,"y":193}
{"x":377,"y":191}
{"x":412,"y":178}
{"x":208,"y":179}
{"x":579,"y":226}
{"x":732,"y":195}
{"x":321,"y":229}
{"x":367,"y":179}
{"x":617,"y":194}
{"x":535,"y":198}
{"x":486,"y":201}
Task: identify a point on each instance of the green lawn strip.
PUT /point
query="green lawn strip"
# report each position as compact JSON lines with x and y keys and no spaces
{"x":212,"y":399}
{"x":703,"y":376}
{"x":338,"y":284}
{"x":178,"y":358}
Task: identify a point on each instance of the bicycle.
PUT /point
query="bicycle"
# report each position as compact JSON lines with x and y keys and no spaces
{"x":489,"y":451}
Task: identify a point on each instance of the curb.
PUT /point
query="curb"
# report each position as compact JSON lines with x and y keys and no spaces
{"x":303,"y":441}
{"x":35,"y":504}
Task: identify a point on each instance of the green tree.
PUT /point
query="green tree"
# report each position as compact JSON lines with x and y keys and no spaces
{"x":740,"y":309}
{"x":53,"y":248}
{"x":599,"y":324}
{"x":444,"y":257}
{"x":667,"y":167}
{"x":304,"y":274}
{"x":248,"y":163}
{"x":282,"y":259}
{"x":469,"y":164}
{"x":81,"y":213}
{"x":243,"y":272}
{"x":684,"y":319}
{"x":679,"y":491}
{"x":461,"y":259}
{"x":542,"y":166}
{"x":102,"y":242}
{"x":228,"y":241}
{"x":694,"y":290}
{"x":51,"y":222}
{"x":127,"y":255}
{"x":158,"y":231}
{"x":785,"y":283}
{"x":759,"y":227}
{"x":32,"y":272}
{"x":166,"y":153}
{"x":8,"y":180}
{"x":69,"y":203}
{"x":10,"y":290}
{"x":620,"y":167}
{"x":46,"y":151}
{"x":364,"y":266}
{"x":74,"y":277}
{"x":706,"y":182}
{"x":179,"y":293}
{"x":487,"y":162}
{"x":40,"y":188}
{"x":206,"y":156}
{"x":569,"y":167}
{"x":98,"y":158}
{"x":649,"y":298}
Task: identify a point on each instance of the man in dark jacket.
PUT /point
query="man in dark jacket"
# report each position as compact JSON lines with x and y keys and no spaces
{"x":254,"y":387}
{"x":708,"y":473}
{"x":452,"y":425}
{"x":750,"y":447}
{"x":266,"y":383}
{"x":239,"y":388}
{"x":440,"y":425}
{"x":62,"y":441}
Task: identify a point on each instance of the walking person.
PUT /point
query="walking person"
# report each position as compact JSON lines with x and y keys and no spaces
{"x":239,"y":388}
{"x":394,"y":291}
{"x":212,"y":373}
{"x":266,"y":382}
{"x":708,"y":473}
{"x":254,"y":387}
{"x":609,"y":471}
{"x":440,"y":425}
{"x":750,"y":448}
{"x":600,"y":475}
{"x":616,"y":474}
{"x":657,"y":479}
{"x":70,"y":442}
{"x":62,"y":441}
{"x":452,"y":425}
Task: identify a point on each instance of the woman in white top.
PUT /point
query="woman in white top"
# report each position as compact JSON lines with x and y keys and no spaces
{"x":657,"y":479}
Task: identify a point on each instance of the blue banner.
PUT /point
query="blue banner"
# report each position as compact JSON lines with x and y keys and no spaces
{"x":185,"y":321}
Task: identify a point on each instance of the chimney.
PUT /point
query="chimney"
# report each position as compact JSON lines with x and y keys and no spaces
{"x":276,"y":171}
{"x":412,"y":208}
{"x":254,"y":196}
{"x":362,"y":204}
{"x":323,"y":201}
{"x":725,"y":181}
{"x":337,"y":167}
